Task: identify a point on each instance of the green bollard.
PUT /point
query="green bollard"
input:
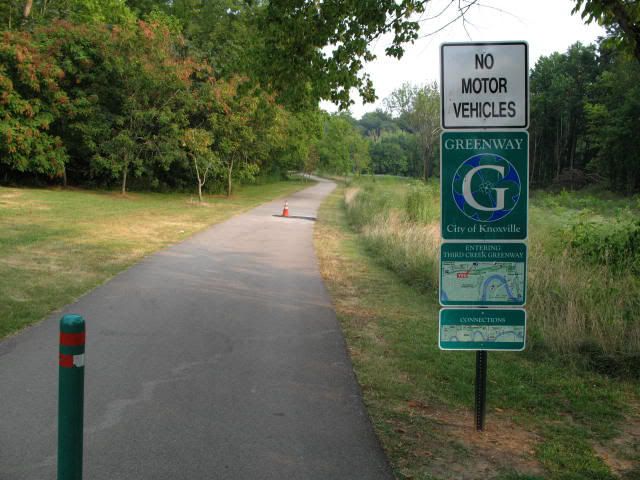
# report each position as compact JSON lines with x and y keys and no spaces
{"x":71,"y":397}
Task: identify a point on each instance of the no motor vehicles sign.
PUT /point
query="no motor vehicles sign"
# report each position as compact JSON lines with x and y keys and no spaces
{"x":484,"y":85}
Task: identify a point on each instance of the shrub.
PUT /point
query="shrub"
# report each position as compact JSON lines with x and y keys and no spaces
{"x":613,"y":244}
{"x":365,"y":204}
{"x":422,"y":204}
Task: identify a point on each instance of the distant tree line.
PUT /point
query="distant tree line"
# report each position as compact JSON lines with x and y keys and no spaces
{"x":404,"y":136}
{"x":585,"y":112}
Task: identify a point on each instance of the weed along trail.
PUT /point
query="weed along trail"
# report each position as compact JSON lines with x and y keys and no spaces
{"x":220,"y":357}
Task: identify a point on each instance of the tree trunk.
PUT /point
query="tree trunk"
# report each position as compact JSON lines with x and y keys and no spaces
{"x":27,"y":9}
{"x":428,"y":167}
{"x":230,"y":171}
{"x":572,"y":144}
{"x":424,"y":166}
{"x":124,"y":178}
{"x":558,"y":135}
{"x":195,"y":163}
{"x":534,"y":158}
{"x":64,"y":176}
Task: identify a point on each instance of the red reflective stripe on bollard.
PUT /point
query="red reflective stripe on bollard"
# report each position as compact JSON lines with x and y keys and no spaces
{"x":66,"y":361}
{"x":72,"y":339}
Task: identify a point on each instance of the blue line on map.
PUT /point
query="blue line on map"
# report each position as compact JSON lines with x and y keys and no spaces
{"x":500,"y":278}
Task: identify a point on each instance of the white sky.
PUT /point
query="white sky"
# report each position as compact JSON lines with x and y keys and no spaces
{"x":547,"y":25}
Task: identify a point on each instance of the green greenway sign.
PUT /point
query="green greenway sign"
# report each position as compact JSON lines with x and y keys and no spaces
{"x":484,"y":177}
{"x":483,"y":274}
{"x":482,"y":329}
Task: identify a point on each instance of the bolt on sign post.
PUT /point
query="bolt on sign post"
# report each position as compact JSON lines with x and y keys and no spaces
{"x":71,"y":397}
{"x":484,"y":196}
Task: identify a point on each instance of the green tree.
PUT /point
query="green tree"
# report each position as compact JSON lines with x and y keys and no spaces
{"x":317,"y":50}
{"x":621,"y":17}
{"x":225,"y":32}
{"x":242,"y":125}
{"x":377,"y":123}
{"x":78,"y":11}
{"x":359,"y":152}
{"x":147,"y":87}
{"x":342,"y":149}
{"x":31,"y":101}
{"x":418,"y":111}
{"x":301,"y":130}
{"x":612,"y":116}
{"x":560,"y":86}
{"x":388,"y":157}
{"x":197,"y":142}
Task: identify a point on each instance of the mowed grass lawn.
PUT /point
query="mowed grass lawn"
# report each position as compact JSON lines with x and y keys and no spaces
{"x":546,"y":418}
{"x":56,"y":245}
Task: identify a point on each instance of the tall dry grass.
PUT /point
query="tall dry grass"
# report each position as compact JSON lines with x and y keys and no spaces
{"x":577,"y":309}
{"x":409,"y":248}
{"x":590,"y":309}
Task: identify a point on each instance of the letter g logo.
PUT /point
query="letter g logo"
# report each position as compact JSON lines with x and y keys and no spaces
{"x":486,"y":187}
{"x":468,"y":194}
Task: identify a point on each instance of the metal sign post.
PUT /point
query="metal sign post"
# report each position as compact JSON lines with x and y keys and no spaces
{"x":481,"y":389}
{"x":484,"y":188}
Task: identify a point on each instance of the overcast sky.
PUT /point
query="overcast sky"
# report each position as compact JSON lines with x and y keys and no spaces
{"x":547,"y":25}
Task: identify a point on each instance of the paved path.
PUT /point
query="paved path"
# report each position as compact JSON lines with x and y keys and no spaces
{"x":218,"y":358}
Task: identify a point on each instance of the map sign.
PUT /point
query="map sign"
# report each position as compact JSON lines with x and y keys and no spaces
{"x":483,"y":274}
{"x":482,"y":329}
{"x":484,"y":185}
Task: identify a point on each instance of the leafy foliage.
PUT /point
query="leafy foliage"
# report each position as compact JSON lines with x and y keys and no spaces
{"x":616,"y":245}
{"x":612,"y":115}
{"x":31,"y":100}
{"x":584,"y":109}
{"x":391,"y":154}
{"x":101,"y":104}
{"x":342,"y":149}
{"x":299,"y":33}
{"x":418,"y":111}
{"x":622,"y":19}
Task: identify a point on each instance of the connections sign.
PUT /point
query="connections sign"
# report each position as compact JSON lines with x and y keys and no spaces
{"x":482,"y":329}
{"x":484,"y":178}
{"x":483,"y":273}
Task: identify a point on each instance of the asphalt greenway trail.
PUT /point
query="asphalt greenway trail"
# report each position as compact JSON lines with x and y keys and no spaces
{"x":217,"y":358}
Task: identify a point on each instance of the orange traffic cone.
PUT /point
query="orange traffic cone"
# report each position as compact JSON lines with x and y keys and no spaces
{"x":285,"y":211}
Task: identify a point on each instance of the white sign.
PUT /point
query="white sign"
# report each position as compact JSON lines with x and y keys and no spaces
{"x":484,"y":85}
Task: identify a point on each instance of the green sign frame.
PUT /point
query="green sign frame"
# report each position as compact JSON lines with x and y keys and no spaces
{"x":498,"y":329}
{"x":484,"y":191}
{"x":483,"y":274}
